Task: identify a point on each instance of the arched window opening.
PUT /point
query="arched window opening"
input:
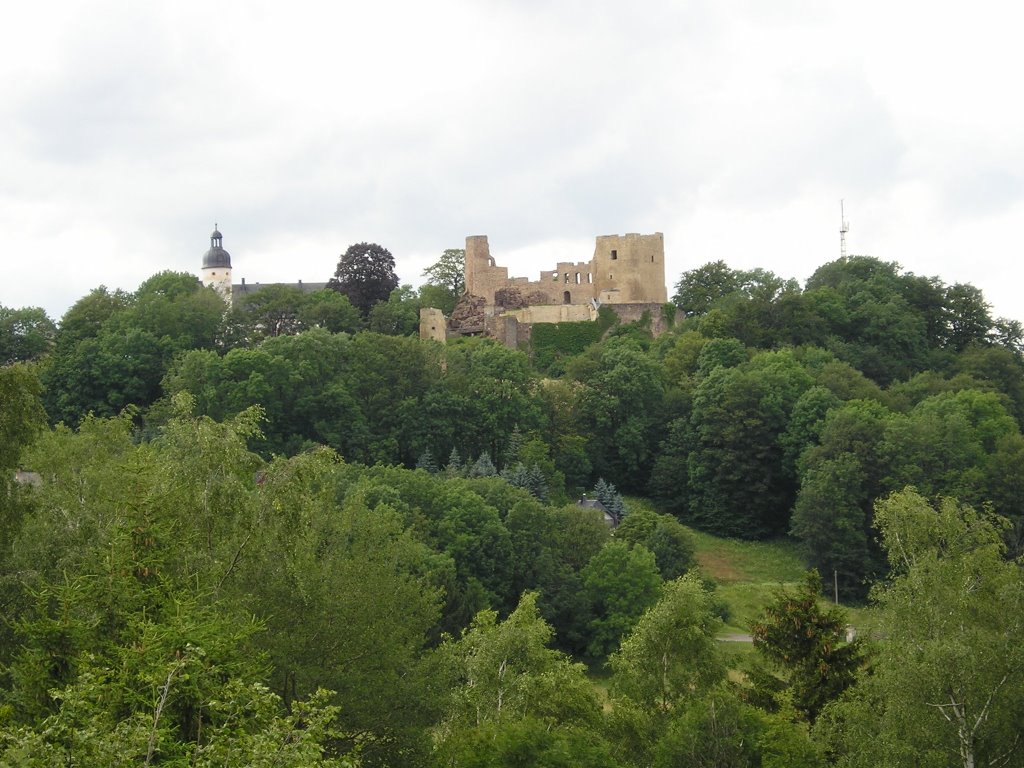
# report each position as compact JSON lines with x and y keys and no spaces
{"x":577,"y":278}
{"x":566,"y":298}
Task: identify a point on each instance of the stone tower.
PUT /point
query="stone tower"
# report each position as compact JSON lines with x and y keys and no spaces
{"x":630,"y":269}
{"x":217,"y":266}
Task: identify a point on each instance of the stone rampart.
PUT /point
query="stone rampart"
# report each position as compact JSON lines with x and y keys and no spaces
{"x":625,"y":269}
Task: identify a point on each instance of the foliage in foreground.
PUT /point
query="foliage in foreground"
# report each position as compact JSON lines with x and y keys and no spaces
{"x":948,"y":680}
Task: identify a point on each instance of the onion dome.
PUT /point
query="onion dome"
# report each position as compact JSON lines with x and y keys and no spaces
{"x":216,"y":256}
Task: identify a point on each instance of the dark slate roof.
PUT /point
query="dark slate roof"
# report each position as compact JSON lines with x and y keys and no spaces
{"x":595,"y":504}
{"x":217,"y":257}
{"x":239,"y":290}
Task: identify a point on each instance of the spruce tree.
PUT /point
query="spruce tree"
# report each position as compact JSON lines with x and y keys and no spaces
{"x":426,"y":461}
{"x":612,"y":500}
{"x":454,"y":467}
{"x":483,"y":466}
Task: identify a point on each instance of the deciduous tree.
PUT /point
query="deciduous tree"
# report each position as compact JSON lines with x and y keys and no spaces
{"x":366,"y":274}
{"x":25,"y":334}
{"x":621,"y":582}
{"x":446,"y":280}
{"x":671,"y":655}
{"x":947,"y":682}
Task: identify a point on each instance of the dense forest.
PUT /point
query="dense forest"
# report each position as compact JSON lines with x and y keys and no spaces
{"x":293,"y":533}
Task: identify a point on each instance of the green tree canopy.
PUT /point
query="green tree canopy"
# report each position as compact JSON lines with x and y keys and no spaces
{"x":366,"y":274}
{"x":512,"y":698}
{"x":947,"y":682}
{"x":671,"y":655}
{"x":398,"y":316}
{"x":621,"y":582}
{"x":446,"y":281}
{"x":25,"y":334}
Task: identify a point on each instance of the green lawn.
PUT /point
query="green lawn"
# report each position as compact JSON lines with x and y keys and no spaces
{"x":747,"y":572}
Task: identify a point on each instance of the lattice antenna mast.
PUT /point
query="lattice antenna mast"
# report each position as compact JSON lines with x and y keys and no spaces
{"x":844,"y":227}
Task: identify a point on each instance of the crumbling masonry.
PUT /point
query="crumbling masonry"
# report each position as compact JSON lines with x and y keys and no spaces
{"x":627,"y":272}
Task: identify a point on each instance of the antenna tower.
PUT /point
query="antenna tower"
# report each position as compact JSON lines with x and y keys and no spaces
{"x":844,"y":227}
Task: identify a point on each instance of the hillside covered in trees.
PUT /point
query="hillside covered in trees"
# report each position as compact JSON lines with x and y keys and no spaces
{"x":295,"y":529}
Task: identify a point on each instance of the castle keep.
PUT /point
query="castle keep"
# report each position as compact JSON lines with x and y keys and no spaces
{"x":626,"y":271}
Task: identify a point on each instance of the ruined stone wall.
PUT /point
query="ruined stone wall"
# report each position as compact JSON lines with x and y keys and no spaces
{"x":569,"y":283}
{"x":433,"y":324}
{"x":483,"y":277}
{"x":562,"y":313}
{"x":625,"y":269}
{"x":505,"y":329}
{"x":627,"y":272}
{"x":630,"y":269}
{"x":630,"y":313}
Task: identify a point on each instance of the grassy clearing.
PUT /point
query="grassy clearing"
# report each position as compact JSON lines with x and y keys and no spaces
{"x":600,"y":675}
{"x":748,"y":573}
{"x":730,"y":561}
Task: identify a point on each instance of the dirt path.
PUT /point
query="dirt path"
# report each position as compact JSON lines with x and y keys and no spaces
{"x":735,"y":638}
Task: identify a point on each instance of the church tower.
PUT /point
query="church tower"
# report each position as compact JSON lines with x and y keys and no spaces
{"x":217,"y":266}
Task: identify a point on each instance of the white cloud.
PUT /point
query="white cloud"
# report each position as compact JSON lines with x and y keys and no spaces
{"x":127,"y":129}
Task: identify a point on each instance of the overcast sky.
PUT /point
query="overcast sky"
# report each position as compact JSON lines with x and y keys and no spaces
{"x":127,"y":129}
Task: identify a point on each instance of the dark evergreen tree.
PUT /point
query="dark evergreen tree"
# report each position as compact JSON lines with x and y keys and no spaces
{"x":426,"y":461}
{"x":612,"y":500}
{"x":454,"y":466}
{"x":537,"y":484}
{"x":516,"y":439}
{"x":804,"y":644}
{"x":529,"y":477}
{"x":483,"y":466}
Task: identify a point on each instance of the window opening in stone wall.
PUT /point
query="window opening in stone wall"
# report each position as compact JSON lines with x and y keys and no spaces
{"x":566,"y":298}
{"x":566,"y":278}
{"x":652,"y":258}
{"x":577,"y":278}
{"x":611,"y":276}
{"x":615,"y":254}
{"x":590,"y":277}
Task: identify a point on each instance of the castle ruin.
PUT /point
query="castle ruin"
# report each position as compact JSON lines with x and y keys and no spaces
{"x":626,"y":271}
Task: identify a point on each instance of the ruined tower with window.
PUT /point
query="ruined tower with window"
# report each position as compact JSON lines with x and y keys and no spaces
{"x":626,"y":271}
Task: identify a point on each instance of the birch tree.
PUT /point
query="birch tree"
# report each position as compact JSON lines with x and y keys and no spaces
{"x":948,"y":685}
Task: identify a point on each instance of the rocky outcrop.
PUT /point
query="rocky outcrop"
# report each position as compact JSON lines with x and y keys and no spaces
{"x":468,"y":315}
